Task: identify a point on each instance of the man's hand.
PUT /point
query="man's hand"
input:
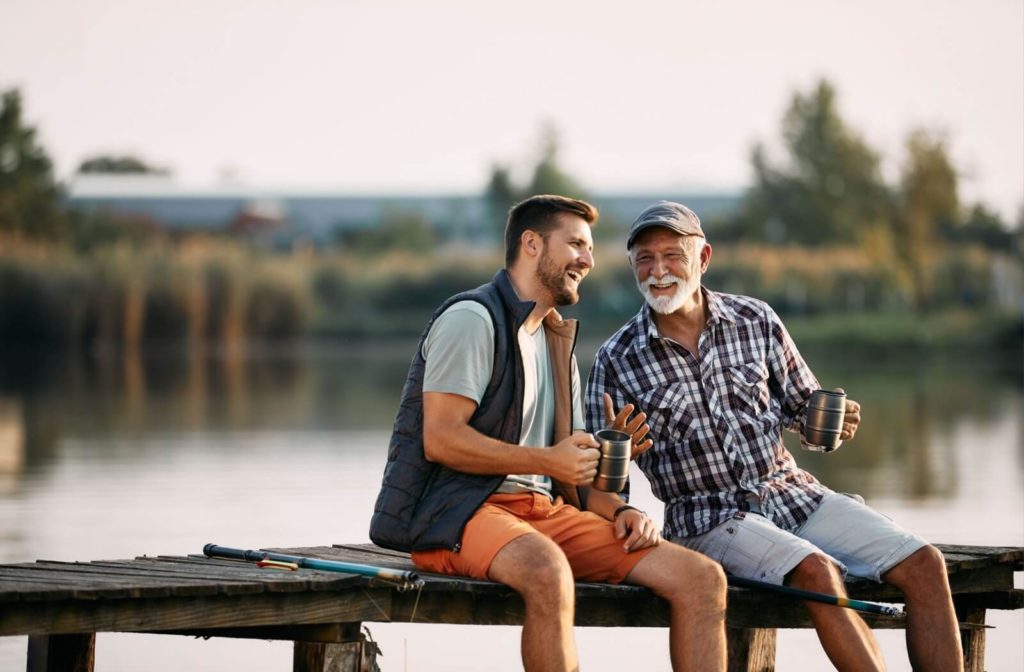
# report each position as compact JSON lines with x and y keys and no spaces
{"x":637,"y":529}
{"x":637,"y":428}
{"x":574,"y":459}
{"x":851,"y":418}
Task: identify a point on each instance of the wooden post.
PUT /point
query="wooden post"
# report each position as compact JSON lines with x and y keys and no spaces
{"x":973,"y":639}
{"x":359,"y":655}
{"x":61,"y":653}
{"x":751,"y":649}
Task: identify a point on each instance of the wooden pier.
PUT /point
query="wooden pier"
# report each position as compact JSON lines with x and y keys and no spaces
{"x":62,"y":605}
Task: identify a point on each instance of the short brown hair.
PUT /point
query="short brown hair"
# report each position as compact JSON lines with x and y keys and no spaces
{"x":540,"y":214}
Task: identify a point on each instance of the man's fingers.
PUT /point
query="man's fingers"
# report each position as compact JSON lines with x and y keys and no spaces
{"x":609,"y":410}
{"x":636,"y":423}
{"x":639,"y":434}
{"x":620,"y":528}
{"x":639,"y":448}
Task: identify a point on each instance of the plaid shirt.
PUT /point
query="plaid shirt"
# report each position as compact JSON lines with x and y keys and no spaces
{"x":716,"y":422}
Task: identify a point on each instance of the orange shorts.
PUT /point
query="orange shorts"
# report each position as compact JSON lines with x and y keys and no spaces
{"x":587,"y":539}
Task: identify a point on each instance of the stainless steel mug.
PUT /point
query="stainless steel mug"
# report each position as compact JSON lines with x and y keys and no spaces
{"x":613,"y":467}
{"x":824,"y":422}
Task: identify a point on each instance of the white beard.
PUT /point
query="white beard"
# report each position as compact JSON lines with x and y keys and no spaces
{"x":664,"y":305}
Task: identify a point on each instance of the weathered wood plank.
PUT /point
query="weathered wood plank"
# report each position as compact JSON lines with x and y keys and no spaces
{"x":325,"y":632}
{"x":33,"y":588}
{"x":201,"y":612}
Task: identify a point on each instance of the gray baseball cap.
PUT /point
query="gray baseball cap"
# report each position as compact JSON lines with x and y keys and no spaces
{"x":674,"y":216}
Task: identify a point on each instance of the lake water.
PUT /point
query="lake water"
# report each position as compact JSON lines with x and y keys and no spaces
{"x":105,"y":457}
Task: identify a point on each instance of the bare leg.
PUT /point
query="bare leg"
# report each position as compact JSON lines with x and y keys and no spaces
{"x":694,"y":587}
{"x":536,"y":568}
{"x":846,"y":638}
{"x":933,"y":635}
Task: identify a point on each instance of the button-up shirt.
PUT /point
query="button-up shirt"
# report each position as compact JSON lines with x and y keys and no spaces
{"x":715,"y":418}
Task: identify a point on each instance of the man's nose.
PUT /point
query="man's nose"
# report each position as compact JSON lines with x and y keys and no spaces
{"x":587,"y":259}
{"x":658,"y":267}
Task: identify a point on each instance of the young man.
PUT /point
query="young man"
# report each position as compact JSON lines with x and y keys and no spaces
{"x":489,"y":464}
{"x":720,"y":377}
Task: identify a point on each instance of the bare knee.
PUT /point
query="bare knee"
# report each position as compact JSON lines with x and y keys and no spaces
{"x":689,"y":577}
{"x":924,"y":568}
{"x":549,"y":574}
{"x":816,"y":572}
{"x":536,"y":568}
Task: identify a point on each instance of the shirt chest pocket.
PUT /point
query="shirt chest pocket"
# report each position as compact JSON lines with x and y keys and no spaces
{"x":747,"y":385}
{"x":668,"y":414}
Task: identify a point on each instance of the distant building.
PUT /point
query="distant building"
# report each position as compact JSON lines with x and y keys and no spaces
{"x":280,"y":218}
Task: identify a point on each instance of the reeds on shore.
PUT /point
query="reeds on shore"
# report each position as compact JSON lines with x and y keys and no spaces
{"x":215,"y":290}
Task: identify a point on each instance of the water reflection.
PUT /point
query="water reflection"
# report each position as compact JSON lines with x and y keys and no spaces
{"x":106,"y":456}
{"x":915,"y":414}
{"x":910,"y":408}
{"x":12,"y":437}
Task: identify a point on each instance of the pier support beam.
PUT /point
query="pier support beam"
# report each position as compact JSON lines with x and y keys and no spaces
{"x":973,"y":639}
{"x":61,"y":653}
{"x":357,"y":654}
{"x":751,"y":649}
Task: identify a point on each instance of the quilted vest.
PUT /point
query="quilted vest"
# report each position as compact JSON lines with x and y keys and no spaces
{"x":424,"y":505}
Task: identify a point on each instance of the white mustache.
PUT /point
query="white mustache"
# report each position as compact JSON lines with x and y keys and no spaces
{"x":664,"y":280}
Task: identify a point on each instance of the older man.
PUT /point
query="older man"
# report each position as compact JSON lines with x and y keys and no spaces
{"x":720,"y":377}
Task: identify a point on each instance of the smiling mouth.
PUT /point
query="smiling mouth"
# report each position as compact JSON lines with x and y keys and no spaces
{"x":662,"y":286}
{"x":575,"y":276}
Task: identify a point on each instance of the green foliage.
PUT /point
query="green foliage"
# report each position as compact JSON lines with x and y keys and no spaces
{"x":38,"y":305}
{"x":119,"y":165}
{"x":29,"y":197}
{"x":828,"y":187}
{"x":928,"y":202}
{"x":222,"y":292}
{"x":547,"y":177}
{"x":278,"y":307}
{"x":829,"y":192}
{"x":90,"y":231}
{"x":397,"y":230}
{"x":500,"y":195}
{"x":983,"y":227}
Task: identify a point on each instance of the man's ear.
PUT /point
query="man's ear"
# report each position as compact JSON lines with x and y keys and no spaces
{"x":531,"y":243}
{"x":705,"y":257}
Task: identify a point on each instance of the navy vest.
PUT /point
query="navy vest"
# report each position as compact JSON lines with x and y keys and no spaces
{"x":424,"y":505}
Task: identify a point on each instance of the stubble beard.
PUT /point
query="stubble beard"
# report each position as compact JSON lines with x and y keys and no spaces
{"x":554,"y":280}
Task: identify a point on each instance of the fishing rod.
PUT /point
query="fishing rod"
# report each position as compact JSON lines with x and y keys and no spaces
{"x":847,"y":602}
{"x":405,"y":579}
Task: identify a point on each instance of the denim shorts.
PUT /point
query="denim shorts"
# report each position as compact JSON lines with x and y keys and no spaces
{"x":858,"y":539}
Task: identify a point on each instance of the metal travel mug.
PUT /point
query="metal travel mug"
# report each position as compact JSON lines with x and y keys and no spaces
{"x":614,"y":464}
{"x":824,"y":421}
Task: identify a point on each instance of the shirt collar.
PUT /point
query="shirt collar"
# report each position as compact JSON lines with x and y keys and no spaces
{"x":647,"y":330}
{"x":717,"y":308}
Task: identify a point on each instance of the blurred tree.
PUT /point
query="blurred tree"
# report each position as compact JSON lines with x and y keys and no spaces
{"x":29,"y":196}
{"x":827,"y":191}
{"x":985,"y":227}
{"x":121,"y":165}
{"x":928,"y":206}
{"x":548,"y":176}
{"x":500,"y":195}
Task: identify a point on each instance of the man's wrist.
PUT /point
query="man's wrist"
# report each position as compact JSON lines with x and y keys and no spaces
{"x":621,"y":509}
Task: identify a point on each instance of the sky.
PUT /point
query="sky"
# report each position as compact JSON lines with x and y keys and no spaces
{"x":401,"y":97}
